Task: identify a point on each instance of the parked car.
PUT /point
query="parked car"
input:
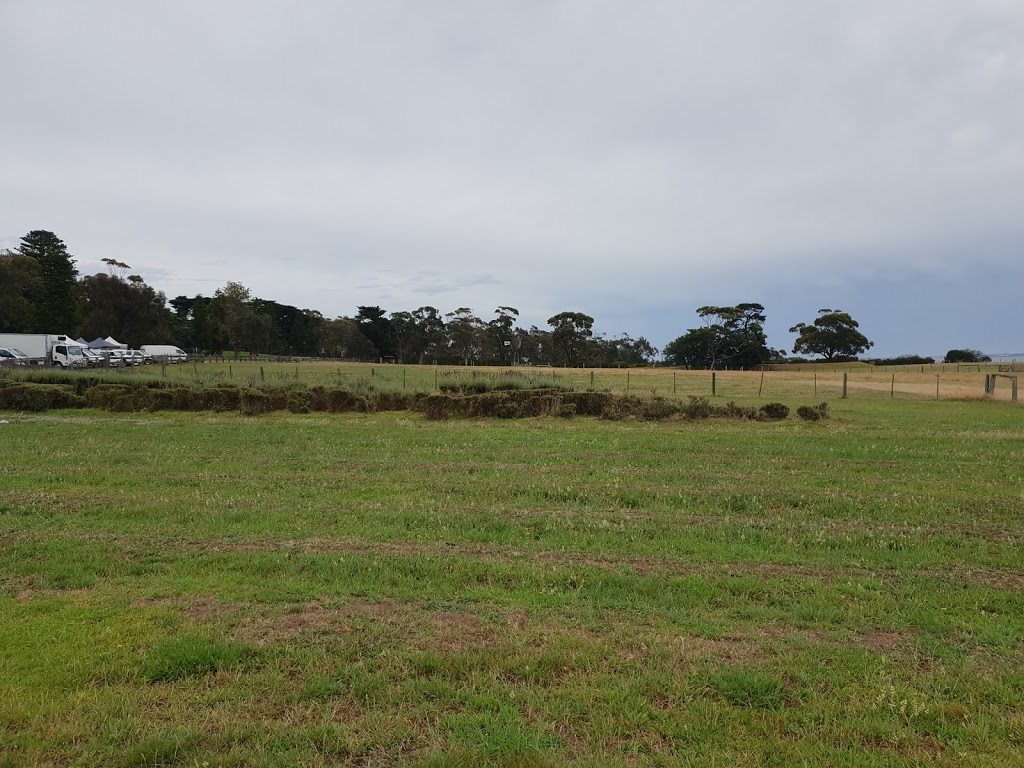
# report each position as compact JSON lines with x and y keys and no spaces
{"x":122,"y":356}
{"x":13,"y":355}
{"x":140,"y":357}
{"x":93,"y":358}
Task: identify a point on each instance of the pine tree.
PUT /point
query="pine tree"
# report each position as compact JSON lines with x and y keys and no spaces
{"x":55,"y":298}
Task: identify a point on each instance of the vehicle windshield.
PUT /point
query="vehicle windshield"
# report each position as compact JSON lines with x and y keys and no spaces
{"x":74,"y":351}
{"x":17,"y":352}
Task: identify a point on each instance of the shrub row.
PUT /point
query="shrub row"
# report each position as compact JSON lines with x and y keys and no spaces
{"x":37,"y":397}
{"x":513,"y":404}
{"x":504,"y":403}
{"x":657,"y":408}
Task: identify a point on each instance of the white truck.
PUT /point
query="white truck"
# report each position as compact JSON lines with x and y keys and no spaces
{"x":53,"y":349}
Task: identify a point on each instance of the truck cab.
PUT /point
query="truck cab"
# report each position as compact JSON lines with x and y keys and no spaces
{"x":67,"y":354}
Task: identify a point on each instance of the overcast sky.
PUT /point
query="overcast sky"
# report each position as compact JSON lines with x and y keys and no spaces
{"x":631,"y":160}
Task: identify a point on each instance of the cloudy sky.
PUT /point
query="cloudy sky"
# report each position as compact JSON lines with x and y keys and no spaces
{"x":631,"y":160}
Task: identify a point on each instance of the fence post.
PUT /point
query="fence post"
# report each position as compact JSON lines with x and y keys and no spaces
{"x":713,"y":384}
{"x":403,"y":378}
{"x":231,"y":374}
{"x":815,"y":385}
{"x":262,"y":376}
{"x":627,"y":382}
{"x":163,"y":370}
{"x":1013,"y":388}
{"x":761,"y":385}
{"x":591,"y":379}
{"x":936,"y":386}
{"x":892,"y":387}
{"x":673,"y":382}
{"x":845,"y":376}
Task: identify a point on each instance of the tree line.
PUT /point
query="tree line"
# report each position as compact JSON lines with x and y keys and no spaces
{"x":41,"y":291}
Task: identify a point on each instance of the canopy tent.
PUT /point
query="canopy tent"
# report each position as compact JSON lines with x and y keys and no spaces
{"x":107,"y":343}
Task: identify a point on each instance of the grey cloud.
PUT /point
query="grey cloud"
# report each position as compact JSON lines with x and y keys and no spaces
{"x":633,"y":161}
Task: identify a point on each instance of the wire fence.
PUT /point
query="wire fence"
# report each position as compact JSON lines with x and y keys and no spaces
{"x":742,"y":386}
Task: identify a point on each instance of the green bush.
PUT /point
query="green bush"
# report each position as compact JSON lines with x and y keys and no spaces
{"x":697,"y":408}
{"x":774,"y":411}
{"x":161,"y":400}
{"x":38,"y":397}
{"x":814,"y":412}
{"x":298,"y":402}
{"x":219,"y":398}
{"x":588,"y":403}
{"x":657,"y":409}
{"x":115,"y":397}
{"x":732,"y":410}
{"x":252,"y":402}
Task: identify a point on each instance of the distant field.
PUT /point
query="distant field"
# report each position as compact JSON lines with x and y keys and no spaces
{"x":824,"y":382}
{"x":213,"y":590}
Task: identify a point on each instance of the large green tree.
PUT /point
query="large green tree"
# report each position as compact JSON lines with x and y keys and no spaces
{"x":833,"y":335}
{"x":501,"y":332}
{"x":966,"y":356}
{"x":55,"y":297}
{"x":465,"y":334}
{"x":375,"y":325}
{"x":20,"y":278}
{"x":732,"y":337}
{"x":238,"y":324}
{"x":344,"y":337}
{"x":127,"y":309}
{"x":570,"y":334}
{"x":625,"y":351}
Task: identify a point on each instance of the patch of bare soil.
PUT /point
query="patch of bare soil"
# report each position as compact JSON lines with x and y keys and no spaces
{"x":886,"y":641}
{"x":736,"y":650}
{"x":454,"y":631}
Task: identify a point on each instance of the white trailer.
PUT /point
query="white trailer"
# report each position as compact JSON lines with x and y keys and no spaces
{"x":54,"y":349}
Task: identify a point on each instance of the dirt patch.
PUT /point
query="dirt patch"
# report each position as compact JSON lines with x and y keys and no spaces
{"x":1010,"y":581}
{"x":885,"y":641}
{"x":731,"y":649}
{"x":517,"y":621}
{"x":388,"y":610}
{"x":454,"y":631}
{"x":312,"y":619}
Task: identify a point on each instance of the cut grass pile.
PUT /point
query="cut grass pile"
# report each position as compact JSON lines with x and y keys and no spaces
{"x":380,"y":589}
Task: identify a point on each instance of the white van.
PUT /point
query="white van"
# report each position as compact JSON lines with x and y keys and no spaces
{"x":165,"y":353}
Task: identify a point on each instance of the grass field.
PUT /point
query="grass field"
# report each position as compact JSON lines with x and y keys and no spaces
{"x":212,"y":590}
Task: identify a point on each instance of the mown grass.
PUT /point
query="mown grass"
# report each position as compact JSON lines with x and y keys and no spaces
{"x":383,"y":590}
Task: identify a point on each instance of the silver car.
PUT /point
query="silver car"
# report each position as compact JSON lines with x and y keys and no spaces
{"x":13,"y":356}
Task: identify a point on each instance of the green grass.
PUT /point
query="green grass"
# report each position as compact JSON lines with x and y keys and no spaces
{"x":383,"y":590}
